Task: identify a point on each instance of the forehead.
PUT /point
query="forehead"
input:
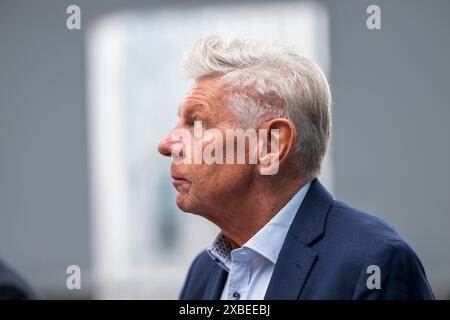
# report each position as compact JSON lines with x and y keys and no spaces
{"x":206,"y":95}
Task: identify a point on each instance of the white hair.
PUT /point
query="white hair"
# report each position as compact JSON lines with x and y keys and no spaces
{"x":264,"y":80}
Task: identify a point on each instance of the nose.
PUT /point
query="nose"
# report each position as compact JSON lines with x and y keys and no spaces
{"x":164,"y":146}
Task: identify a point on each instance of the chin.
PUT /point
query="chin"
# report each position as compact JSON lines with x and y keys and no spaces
{"x":186,"y":205}
{"x":183,"y":203}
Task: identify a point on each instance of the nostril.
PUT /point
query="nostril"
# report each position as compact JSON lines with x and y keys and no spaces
{"x":177,"y":151}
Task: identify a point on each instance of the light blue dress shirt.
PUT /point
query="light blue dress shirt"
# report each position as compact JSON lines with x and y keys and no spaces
{"x":250,"y":267}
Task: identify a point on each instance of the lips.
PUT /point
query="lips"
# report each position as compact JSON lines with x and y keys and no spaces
{"x":177,"y":177}
{"x":177,"y":181}
{"x":180,"y":183}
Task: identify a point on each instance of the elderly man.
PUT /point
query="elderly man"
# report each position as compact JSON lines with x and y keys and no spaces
{"x":282,"y":234}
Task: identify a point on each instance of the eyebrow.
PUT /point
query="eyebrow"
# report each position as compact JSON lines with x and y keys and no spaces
{"x":190,"y":106}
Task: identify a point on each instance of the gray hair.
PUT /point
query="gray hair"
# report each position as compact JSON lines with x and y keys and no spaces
{"x":263,"y":80}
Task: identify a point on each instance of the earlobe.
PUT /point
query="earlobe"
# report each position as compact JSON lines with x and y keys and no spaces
{"x":269,"y":164}
{"x":268,"y":152}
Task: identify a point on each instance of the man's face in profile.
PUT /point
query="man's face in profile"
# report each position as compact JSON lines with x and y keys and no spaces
{"x":202,"y":187}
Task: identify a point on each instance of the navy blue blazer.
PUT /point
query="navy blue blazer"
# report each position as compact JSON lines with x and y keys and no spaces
{"x":326,"y":255}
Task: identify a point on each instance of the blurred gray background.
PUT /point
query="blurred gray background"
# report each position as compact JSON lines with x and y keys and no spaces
{"x":390,"y":138}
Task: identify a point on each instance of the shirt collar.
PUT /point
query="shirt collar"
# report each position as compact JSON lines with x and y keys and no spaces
{"x":267,"y":242}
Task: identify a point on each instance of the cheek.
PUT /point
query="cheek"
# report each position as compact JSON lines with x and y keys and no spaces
{"x":218,"y":180}
{"x":224,"y":180}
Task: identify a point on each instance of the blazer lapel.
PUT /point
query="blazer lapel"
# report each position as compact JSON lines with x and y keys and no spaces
{"x":216,"y":283}
{"x":290,"y":271}
{"x":296,"y":258}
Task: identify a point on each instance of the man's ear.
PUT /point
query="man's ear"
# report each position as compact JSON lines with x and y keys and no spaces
{"x":276,"y":140}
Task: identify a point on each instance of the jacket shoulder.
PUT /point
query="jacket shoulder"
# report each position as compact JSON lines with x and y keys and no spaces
{"x":365,"y":242}
{"x":362,"y":226}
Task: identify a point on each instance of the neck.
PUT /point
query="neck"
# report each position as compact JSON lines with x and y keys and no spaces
{"x":244,"y":218}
